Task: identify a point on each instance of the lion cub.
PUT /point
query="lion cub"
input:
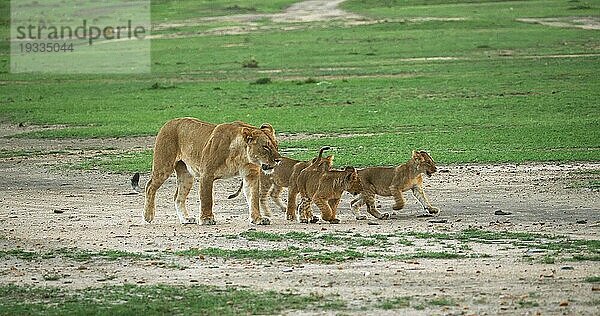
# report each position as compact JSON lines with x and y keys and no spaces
{"x":390,"y":181}
{"x":285,"y":175}
{"x":325,"y":189}
{"x":318,"y":164}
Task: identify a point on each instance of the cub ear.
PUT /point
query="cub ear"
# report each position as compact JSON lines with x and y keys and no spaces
{"x":329,"y":158}
{"x":266,"y":127}
{"x":247,"y":134}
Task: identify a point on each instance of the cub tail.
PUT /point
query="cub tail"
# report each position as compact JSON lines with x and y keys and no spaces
{"x":237,"y":192}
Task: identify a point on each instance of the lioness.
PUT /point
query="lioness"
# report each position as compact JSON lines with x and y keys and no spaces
{"x":325,"y":189}
{"x":196,"y":149}
{"x":390,"y":181}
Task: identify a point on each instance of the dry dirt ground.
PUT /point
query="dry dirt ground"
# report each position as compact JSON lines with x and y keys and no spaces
{"x":46,"y":206}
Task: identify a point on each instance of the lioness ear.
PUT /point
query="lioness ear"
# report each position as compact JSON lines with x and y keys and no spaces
{"x":247,"y":133}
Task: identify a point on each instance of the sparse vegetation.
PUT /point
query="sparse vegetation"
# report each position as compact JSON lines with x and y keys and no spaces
{"x":155,"y":300}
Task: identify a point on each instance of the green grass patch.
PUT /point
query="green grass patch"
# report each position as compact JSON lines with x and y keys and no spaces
{"x":502,"y":92}
{"x":73,"y":254}
{"x":394,"y":303}
{"x":593,"y":279}
{"x":155,"y":300}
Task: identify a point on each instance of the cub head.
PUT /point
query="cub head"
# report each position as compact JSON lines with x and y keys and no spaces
{"x":262,"y":147}
{"x":352,"y":180}
{"x":424,"y":162}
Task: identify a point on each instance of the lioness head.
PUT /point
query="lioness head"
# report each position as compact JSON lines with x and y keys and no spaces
{"x":262,"y":147}
{"x":353,"y":181}
{"x":425,"y":163}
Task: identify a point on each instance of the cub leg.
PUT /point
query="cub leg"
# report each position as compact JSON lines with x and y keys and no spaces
{"x":356,"y":204}
{"x":291,"y":204}
{"x":369,"y":199}
{"x":252,"y":191}
{"x":276,"y":196}
{"x":304,"y":210}
{"x":398,"y":199}
{"x":418,"y":192}
{"x":327,"y":213}
{"x":265,"y":187}
{"x":185,"y":181}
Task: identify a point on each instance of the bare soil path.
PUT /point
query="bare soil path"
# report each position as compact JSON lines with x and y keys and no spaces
{"x":45,"y":207}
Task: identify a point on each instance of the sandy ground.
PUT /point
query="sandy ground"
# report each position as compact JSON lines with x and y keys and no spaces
{"x":45,"y":207}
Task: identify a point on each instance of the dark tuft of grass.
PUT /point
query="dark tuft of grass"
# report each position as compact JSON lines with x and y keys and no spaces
{"x":394,"y":303}
{"x":593,"y":279}
{"x":265,"y":80}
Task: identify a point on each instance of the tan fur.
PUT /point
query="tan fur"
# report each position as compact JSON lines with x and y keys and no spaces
{"x":196,"y":149}
{"x":271,"y":185}
{"x":325,"y":189}
{"x":319,"y":164}
{"x":392,"y":182}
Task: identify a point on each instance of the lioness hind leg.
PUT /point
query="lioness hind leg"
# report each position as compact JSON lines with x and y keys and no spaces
{"x":156,"y":180}
{"x":185,"y":181}
{"x":305,"y":211}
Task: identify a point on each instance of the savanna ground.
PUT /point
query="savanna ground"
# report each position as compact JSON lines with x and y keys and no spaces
{"x":504,"y":95}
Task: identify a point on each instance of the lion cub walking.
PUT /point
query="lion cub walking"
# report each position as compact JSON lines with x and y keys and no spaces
{"x":390,"y":181}
{"x":325,"y":188}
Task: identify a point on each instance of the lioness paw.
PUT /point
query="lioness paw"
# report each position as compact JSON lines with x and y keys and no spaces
{"x":361,"y":217}
{"x":314,"y":219}
{"x":209,"y":221}
{"x":334,"y":221}
{"x":262,"y":221}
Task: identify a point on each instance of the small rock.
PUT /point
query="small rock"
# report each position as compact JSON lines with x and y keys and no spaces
{"x":439,"y":221}
{"x":500,"y":212}
{"x":287,"y":270}
{"x":567,"y":268}
{"x":583,"y":221}
{"x":564,"y":303}
{"x":59,"y":211}
{"x":373,"y":223}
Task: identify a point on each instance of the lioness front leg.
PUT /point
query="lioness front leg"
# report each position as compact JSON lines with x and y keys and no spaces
{"x":251,"y":191}
{"x":419,"y":194}
{"x":206,"y":200}
{"x":275,"y":194}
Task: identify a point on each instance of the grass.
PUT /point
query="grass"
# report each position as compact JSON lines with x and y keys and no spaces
{"x":394,"y":303}
{"x":73,"y":254}
{"x":501,"y":99}
{"x":593,"y":279}
{"x":155,"y":300}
